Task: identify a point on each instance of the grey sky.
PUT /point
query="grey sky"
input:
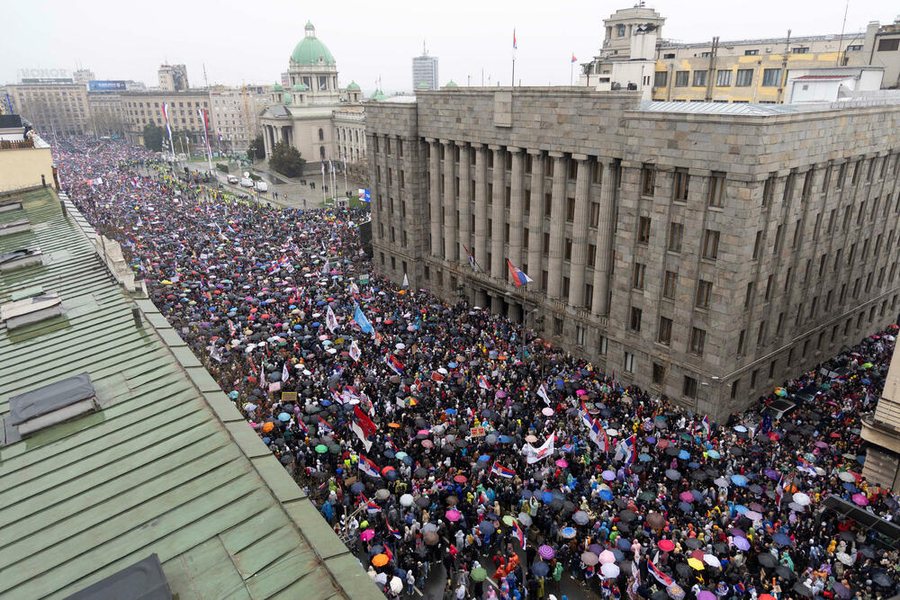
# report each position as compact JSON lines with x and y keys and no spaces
{"x":251,"y":40}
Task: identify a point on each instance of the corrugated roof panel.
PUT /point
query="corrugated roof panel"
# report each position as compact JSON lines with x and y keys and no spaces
{"x":155,"y":470}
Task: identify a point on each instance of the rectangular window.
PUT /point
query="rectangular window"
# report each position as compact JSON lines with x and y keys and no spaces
{"x":568,"y":247}
{"x":636,"y":315}
{"x":570,"y":209}
{"x":680,"y":185}
{"x":723,"y":78}
{"x":676,"y":232}
{"x":761,"y":334}
{"x":629,"y":362}
{"x":716,"y":192}
{"x":648,"y":179}
{"x":757,"y":245}
{"x":744,"y":78}
{"x":698,"y":340}
{"x":768,"y":190}
{"x":771,"y":77}
{"x":659,"y":374}
{"x":637,"y":279}
{"x":741,"y":339}
{"x":681,"y":78}
{"x":670,"y":283}
{"x":660,"y":79}
{"x":889,"y":45}
{"x":603,"y":345}
{"x":748,"y":295}
{"x":704,"y":293}
{"x":734,"y":388}
{"x":800,"y":50}
{"x":592,"y":254}
{"x":664,"y":335}
{"x":689,"y":388}
{"x":595,"y":214}
{"x":643,"y":230}
{"x":699,"y":79}
{"x":710,"y":244}
{"x":751,"y":52}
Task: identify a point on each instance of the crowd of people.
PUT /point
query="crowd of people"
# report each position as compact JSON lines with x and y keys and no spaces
{"x":427,"y":438}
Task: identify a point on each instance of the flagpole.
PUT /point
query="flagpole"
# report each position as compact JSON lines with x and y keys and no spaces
{"x":324,"y":195}
{"x":524,"y":313}
{"x":571,"y":72}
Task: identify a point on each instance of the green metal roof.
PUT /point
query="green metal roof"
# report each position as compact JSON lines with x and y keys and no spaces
{"x":353,"y":87}
{"x":311,"y":51}
{"x":168,"y":466}
{"x":451,"y":84}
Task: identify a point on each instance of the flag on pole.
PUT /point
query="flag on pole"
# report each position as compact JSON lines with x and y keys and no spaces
{"x":323,"y":168}
{"x":626,"y":449}
{"x":285,"y":373}
{"x":779,"y":491}
{"x":361,"y":320}
{"x":661,"y":577}
{"x":330,"y":320}
{"x":325,"y":428}
{"x":483,"y":382}
{"x":368,"y":466}
{"x":505,"y":472}
{"x":405,"y":281}
{"x":165,"y":114}
{"x":542,"y":394}
{"x":518,"y":275}
{"x":520,"y":535}
{"x":574,"y":60}
{"x":392,"y":530}
{"x":705,"y":425}
{"x":515,"y":44}
{"x":533,"y":455}
{"x":354,"y":351}
{"x":471,"y":256}
{"x":394,"y":364}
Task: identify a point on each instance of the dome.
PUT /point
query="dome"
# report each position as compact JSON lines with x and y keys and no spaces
{"x":310,"y":51}
{"x":353,"y":87}
{"x":277,"y":88}
{"x":378,"y":96}
{"x":451,"y":84}
{"x":300,"y":87}
{"x":423,"y":85}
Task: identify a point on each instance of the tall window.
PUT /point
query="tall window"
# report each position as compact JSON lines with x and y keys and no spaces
{"x":637,"y":280}
{"x":704,"y":293}
{"x":716,"y":193}
{"x":670,"y":284}
{"x":676,"y":233}
{"x":648,"y":179}
{"x":771,"y":77}
{"x":636,"y":317}
{"x":682,"y":78}
{"x":689,"y":388}
{"x":723,"y":78}
{"x":680,"y":185}
{"x":699,"y":78}
{"x":698,"y":340}
{"x":710,"y":244}
{"x":744,"y":78}
{"x":643,"y":230}
{"x":660,"y":79}
{"x":664,"y":335}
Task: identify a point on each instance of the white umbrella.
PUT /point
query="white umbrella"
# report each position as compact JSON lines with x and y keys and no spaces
{"x":801,"y":499}
{"x":607,"y":557}
{"x":406,"y":500}
{"x":844,"y":558}
{"x":396,"y":585}
{"x":846,"y":476}
{"x":609,"y":570}
{"x":712,"y":561}
{"x":381,"y":578}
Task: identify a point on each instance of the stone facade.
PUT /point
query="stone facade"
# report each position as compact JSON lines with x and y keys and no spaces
{"x":703,"y":256}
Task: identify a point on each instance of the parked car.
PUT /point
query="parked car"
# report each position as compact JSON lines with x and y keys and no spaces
{"x":246,"y":182}
{"x":234,"y":179}
{"x":262,"y":186}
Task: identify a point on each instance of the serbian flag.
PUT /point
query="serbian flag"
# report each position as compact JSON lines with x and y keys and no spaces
{"x":325,"y":428}
{"x":705,"y":425}
{"x":394,"y":364}
{"x":368,"y":466}
{"x":520,"y":535}
{"x":165,"y":114}
{"x":483,"y":382}
{"x":515,"y":47}
{"x":658,"y":574}
{"x":391,"y":529}
{"x":362,"y":426}
{"x":518,"y":275}
{"x":574,"y":60}
{"x":505,"y":472}
{"x":371,"y":505}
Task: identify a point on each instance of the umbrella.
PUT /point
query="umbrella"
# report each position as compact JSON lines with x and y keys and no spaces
{"x":846,"y":476}
{"x":608,"y":475}
{"x":673,"y":474}
{"x":478,"y":574}
{"x":367,"y":535}
{"x":589,"y":558}
{"x":431,"y":538}
{"x":739,"y":480}
{"x":844,"y":558}
{"x":860,"y":499}
{"x":767,"y":560}
{"x":580,"y":517}
{"x":422,"y":501}
{"x":841,"y":590}
{"x":382,"y":494}
{"x":406,"y":500}
{"x":705,"y":595}
{"x":644,"y":457}
{"x":487,"y":528}
{"x":627,"y":516}
{"x":782,"y":539}
{"x":721,"y":482}
{"x":540,"y":568}
{"x":685,"y":507}
{"x":803,"y":590}
{"x":546,"y":552}
{"x":379,"y":560}
{"x":801,"y":499}
{"x":609,"y":570}
{"x":525,"y":519}
{"x":396,"y":585}
{"x":321,"y":449}
{"x":712,"y":561}
{"x":686,"y":496}
{"x":883,"y":579}
{"x":656,"y":521}
{"x":741,"y":543}
{"x":696,"y":564}
{"x":666,"y":545}
{"x":453,"y":515}
{"x":567,"y":533}
{"x":357,"y":487}
{"x":785,"y":573}
{"x":606,"y":557}
{"x":692,"y":543}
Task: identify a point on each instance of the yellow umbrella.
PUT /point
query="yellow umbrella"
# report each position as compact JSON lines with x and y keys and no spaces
{"x":695,"y":564}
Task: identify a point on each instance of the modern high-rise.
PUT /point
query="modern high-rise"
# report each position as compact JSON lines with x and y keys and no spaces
{"x":703,"y":251}
{"x":425,"y":72}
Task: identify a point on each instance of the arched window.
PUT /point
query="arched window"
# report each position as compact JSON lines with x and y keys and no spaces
{"x":322,"y":151}
{"x":321,"y":135}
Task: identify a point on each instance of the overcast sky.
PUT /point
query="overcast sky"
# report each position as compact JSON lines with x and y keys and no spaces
{"x":251,"y":40}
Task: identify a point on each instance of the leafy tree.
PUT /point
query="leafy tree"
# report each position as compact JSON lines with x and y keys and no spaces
{"x":286,"y":160}
{"x":257,"y":149}
{"x":153,"y":137}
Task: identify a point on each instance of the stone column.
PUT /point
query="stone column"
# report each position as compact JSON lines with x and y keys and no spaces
{"x":557,"y":226}
{"x":602,"y":272}
{"x":498,"y":215}
{"x":266,"y":141}
{"x":434,"y":195}
{"x":450,"y":242}
{"x":465,"y":206}
{"x":536,"y":217}
{"x":580,"y":231}
{"x":481,"y":214}
{"x":517,"y":190}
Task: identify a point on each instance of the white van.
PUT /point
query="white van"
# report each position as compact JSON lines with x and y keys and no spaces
{"x":262,"y":186}
{"x":246,"y":182}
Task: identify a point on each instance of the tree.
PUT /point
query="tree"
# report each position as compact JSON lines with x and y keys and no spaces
{"x":153,"y":137}
{"x":257,"y":149}
{"x":286,"y":160}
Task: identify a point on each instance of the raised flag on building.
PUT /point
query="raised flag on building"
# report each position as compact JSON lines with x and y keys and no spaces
{"x":361,"y":320}
{"x":354,"y":351}
{"x":500,"y":470}
{"x":471,"y":256}
{"x":331,"y":321}
{"x":165,"y":114}
{"x":518,"y":275}
{"x":574,"y":60}
{"x":368,"y":466}
{"x":515,"y":43}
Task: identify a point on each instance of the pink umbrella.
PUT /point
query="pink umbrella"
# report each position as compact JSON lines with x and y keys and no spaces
{"x":423,"y":432}
{"x":607,"y":557}
{"x":546,"y":552}
{"x":753,"y":515}
{"x":580,"y":392}
{"x":367,"y":535}
{"x":547,"y":411}
{"x":860,"y":499}
{"x":561,"y":463}
{"x":453,"y":515}
{"x":686,"y":496}
{"x":706,"y":595}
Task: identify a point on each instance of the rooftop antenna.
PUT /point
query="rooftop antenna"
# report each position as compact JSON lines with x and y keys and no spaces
{"x":424,"y":49}
{"x":205,"y":80}
{"x":841,"y":38}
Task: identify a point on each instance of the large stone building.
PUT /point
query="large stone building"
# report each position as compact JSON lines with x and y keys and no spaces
{"x":143,"y":108}
{"x":235,"y":115}
{"x":173,"y":78}
{"x":315,"y":115}
{"x":52,"y":105}
{"x":634,"y":55}
{"x":703,"y":251}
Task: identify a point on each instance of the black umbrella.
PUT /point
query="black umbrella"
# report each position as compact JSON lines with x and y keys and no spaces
{"x":767,"y":560}
{"x":785,"y":573}
{"x":883,"y":579}
{"x":683,"y":570}
{"x":672,"y":451}
{"x":685,"y":507}
{"x":627,"y":516}
{"x":673,"y":474}
{"x":422,"y":501}
{"x":692,"y":543}
{"x":802,"y":590}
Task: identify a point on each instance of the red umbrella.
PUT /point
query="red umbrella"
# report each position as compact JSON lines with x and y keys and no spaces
{"x":666,"y":545}
{"x":460,"y":479}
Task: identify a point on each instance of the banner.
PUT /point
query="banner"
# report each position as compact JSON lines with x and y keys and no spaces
{"x":533,"y":455}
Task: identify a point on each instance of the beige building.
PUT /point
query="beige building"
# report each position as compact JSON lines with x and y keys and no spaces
{"x":315,"y":115}
{"x":634,"y":55}
{"x":703,"y":251}
{"x":55,"y":106}
{"x":173,"y":78}
{"x":25,"y":159}
{"x":235,"y":112}
{"x":143,"y":108}
{"x":882,"y":431}
{"x":107,"y":112}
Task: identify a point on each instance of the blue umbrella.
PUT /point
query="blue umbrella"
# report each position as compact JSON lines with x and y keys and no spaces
{"x":850,"y":487}
{"x":606,"y":495}
{"x":484,"y":458}
{"x":450,"y":411}
{"x":505,"y":439}
{"x":297,"y":327}
{"x":284,"y":417}
{"x":684,"y":455}
{"x":325,"y":402}
{"x":452,"y":365}
{"x":233,"y":394}
{"x":315,"y":324}
{"x":546,"y":497}
{"x":644,"y":457}
{"x":526,"y":494}
{"x":739,"y":480}
{"x":782,"y":539}
{"x":693,"y":465}
{"x":623,"y":544}
{"x":267,"y":441}
{"x":357,"y":487}
{"x":740,"y":509}
{"x":714,"y":454}
{"x":540,"y":568}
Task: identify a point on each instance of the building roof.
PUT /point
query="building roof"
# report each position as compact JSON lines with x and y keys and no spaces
{"x":167,"y":466}
{"x":353,"y":87}
{"x":311,"y":51}
{"x":830,"y":37}
{"x":862,"y":100}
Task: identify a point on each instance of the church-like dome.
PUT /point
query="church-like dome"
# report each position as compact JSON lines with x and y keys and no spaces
{"x":353,"y":87}
{"x":310,"y":51}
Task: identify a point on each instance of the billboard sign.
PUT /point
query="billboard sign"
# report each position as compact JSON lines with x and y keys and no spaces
{"x":106,"y":85}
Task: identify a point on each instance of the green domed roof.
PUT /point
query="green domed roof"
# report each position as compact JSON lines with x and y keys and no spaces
{"x":277,"y":88}
{"x":310,"y":51}
{"x":300,"y":87}
{"x":353,"y":87}
{"x":423,"y":85}
{"x":378,"y":95}
{"x":451,"y":84}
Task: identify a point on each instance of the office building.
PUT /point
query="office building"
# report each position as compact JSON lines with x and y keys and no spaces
{"x":425,"y":72}
{"x":882,"y":431}
{"x":173,"y":78}
{"x":235,"y":115}
{"x":54,"y":106}
{"x":702,"y":251}
{"x":145,"y":108}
